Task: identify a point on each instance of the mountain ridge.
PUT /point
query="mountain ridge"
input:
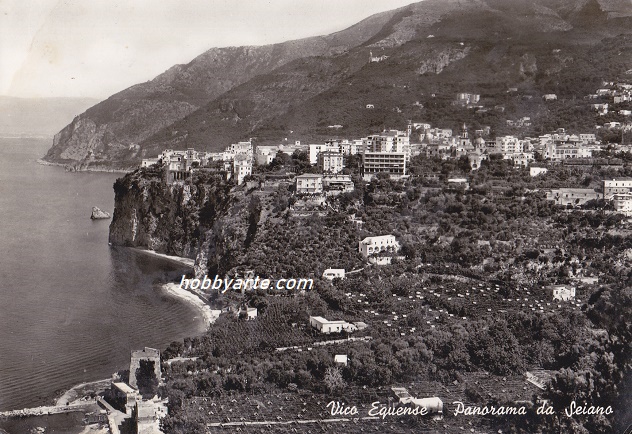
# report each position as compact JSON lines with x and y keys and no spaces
{"x":251,"y":88}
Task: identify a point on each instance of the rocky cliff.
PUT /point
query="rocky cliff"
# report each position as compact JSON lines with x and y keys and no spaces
{"x":207,"y":218}
{"x":230,"y":228}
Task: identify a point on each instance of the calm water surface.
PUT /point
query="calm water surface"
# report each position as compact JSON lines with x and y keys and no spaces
{"x":71,"y":307}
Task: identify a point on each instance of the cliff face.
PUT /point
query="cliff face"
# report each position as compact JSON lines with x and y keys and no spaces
{"x":206,"y":219}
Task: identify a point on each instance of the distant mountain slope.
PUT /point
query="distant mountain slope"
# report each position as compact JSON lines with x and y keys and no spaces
{"x":483,"y":47}
{"x":38,"y":116}
{"x":109,"y":130}
{"x":296,"y":89}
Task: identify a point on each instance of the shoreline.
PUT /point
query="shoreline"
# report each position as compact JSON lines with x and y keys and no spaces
{"x":74,"y":169}
{"x":73,"y":394}
{"x":187,"y":262}
{"x":209,"y":315}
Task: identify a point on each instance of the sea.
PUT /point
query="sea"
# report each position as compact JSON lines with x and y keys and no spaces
{"x":72,"y":308}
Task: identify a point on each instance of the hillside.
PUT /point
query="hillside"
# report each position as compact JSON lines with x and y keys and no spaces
{"x":296,"y":89}
{"x":462,"y":315}
{"x":110,"y":130}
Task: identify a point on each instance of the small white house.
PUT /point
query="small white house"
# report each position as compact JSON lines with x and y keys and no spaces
{"x":334,"y":273}
{"x":535,"y":171}
{"x":325,"y":326}
{"x":251,"y":313}
{"x":433,"y":406}
{"x":563,"y":293}
{"x":341,"y":359}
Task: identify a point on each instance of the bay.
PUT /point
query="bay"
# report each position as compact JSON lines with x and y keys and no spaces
{"x":71,"y":306}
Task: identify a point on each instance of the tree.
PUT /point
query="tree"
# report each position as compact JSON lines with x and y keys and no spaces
{"x":333,"y":379}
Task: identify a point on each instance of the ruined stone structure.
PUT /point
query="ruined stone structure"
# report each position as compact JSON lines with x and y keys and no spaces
{"x":150,"y":354}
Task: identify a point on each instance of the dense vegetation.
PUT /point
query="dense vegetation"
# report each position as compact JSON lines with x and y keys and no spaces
{"x":468,"y":304}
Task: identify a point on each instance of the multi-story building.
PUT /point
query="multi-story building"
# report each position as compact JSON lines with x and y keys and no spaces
{"x":393,"y":163}
{"x":386,"y":141}
{"x":240,"y":148}
{"x":435,"y":135}
{"x":242,"y":167}
{"x":522,"y":159}
{"x":509,"y":145}
{"x":587,"y":138}
{"x":315,"y":149}
{"x":335,"y":184}
{"x":352,"y":147}
{"x":623,"y":203}
{"x":330,"y":162}
{"x":557,"y":152}
{"x":309,"y":183}
{"x":616,"y":186}
{"x":382,"y":243}
{"x":147,"y":354}
{"x":562,"y":292}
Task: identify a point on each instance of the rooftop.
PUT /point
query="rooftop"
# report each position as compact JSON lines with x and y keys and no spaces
{"x":147,"y":352}
{"x":123,"y":387}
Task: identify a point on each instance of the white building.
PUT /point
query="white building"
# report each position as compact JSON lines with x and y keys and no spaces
{"x":587,"y":138}
{"x":330,"y":162}
{"x":467,"y":98}
{"x":309,"y":184}
{"x":563,"y":293}
{"x":250,"y":313}
{"x":325,"y":326}
{"x":341,"y":359}
{"x":242,"y":167}
{"x":335,"y":184}
{"x":239,"y":148}
{"x":555,"y":152}
{"x":147,"y":162}
{"x":334,"y":273}
{"x":616,"y":186}
{"x":623,"y":203}
{"x":315,"y":149}
{"x":393,"y":163}
{"x":387,"y":141}
{"x":373,"y":245}
{"x":265,"y":154}
{"x":509,"y":145}
{"x":572,"y":196}
{"x":522,"y":159}
{"x":535,"y":171}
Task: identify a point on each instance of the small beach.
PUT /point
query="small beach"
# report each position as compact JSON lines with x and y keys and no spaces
{"x":188,"y":262}
{"x":209,"y":315}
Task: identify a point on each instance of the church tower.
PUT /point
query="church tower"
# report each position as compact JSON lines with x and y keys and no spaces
{"x":464,"y":140}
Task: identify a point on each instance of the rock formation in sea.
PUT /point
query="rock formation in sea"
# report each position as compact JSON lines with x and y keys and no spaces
{"x":98,"y":214}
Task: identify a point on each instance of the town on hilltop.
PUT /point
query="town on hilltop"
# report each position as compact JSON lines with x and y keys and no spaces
{"x":389,"y":153}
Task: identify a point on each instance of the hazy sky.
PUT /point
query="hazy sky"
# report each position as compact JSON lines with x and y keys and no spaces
{"x":94,"y":48}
